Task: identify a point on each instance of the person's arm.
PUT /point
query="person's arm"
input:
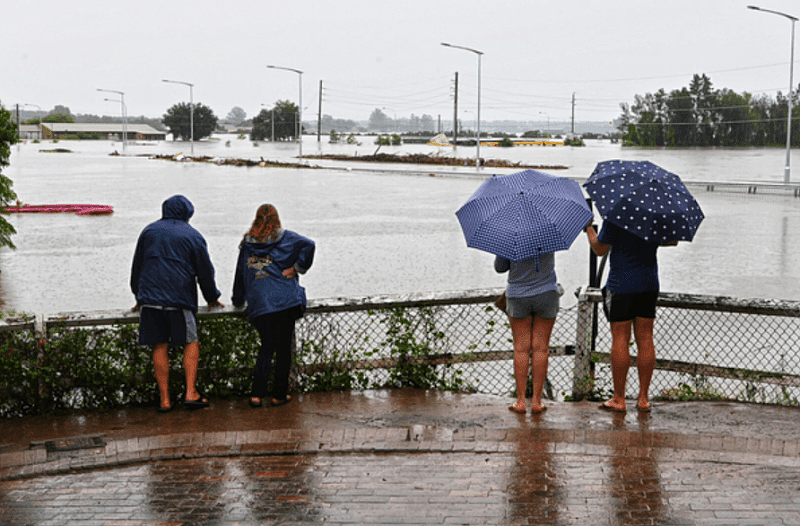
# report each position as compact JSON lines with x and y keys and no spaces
{"x":205,"y":276}
{"x":238,"y":296}
{"x":305,"y":257}
{"x":501,"y":264}
{"x":136,"y":270}
{"x":597,"y":247}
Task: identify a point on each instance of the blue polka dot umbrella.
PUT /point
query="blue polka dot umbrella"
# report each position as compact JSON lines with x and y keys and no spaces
{"x":645,"y":200}
{"x":523,"y":215}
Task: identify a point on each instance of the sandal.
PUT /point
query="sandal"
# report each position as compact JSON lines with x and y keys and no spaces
{"x":255,"y":402}
{"x":537,"y":410}
{"x":197,"y":403}
{"x":517,"y":409}
{"x":643,"y":408}
{"x":606,"y":406}
{"x":276,"y":402}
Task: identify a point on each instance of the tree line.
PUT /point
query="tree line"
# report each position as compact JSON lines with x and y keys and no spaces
{"x":699,"y":115}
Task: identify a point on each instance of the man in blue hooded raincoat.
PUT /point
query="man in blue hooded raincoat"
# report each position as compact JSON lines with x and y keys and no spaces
{"x":170,"y":261}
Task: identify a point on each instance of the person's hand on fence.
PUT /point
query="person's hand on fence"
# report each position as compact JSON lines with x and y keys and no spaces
{"x":135,"y":307}
{"x":213,"y":304}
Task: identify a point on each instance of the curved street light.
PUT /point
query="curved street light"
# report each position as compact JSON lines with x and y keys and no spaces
{"x":548,"y":121}
{"x":124,"y":130}
{"x":479,"y":53}
{"x":41,"y":120}
{"x":787,"y":169}
{"x":299,"y":108}
{"x":191,"y":108}
{"x":124,"y":116}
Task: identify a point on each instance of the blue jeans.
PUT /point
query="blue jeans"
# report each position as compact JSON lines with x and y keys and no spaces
{"x":276,"y":330}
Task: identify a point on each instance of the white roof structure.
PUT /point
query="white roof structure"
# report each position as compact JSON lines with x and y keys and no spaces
{"x":70,"y":127}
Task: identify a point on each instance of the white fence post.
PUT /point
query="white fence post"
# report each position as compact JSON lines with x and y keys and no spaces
{"x":582,"y":369}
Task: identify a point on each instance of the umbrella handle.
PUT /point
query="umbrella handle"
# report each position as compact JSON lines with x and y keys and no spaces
{"x":601,"y":267}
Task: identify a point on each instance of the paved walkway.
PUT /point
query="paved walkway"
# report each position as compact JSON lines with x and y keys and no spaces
{"x":404,"y":457}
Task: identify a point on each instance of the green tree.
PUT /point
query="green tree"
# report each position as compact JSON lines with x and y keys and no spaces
{"x":379,"y":120}
{"x":681,"y":118}
{"x":8,"y":136}
{"x":59,"y":117}
{"x":704,"y":100}
{"x":236,"y":116}
{"x":178,"y":119}
{"x":735,"y":126}
{"x":285,"y":116}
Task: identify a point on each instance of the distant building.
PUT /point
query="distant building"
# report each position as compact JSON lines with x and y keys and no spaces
{"x":29,"y":132}
{"x":136,"y":132}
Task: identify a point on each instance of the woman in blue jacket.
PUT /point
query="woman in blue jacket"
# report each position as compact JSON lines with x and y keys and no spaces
{"x":270,"y":259}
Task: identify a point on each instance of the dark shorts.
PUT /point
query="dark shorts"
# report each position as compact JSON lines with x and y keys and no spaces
{"x":627,"y":307}
{"x":158,"y":325}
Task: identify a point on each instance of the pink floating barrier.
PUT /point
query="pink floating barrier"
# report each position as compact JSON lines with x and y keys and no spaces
{"x":54,"y":209}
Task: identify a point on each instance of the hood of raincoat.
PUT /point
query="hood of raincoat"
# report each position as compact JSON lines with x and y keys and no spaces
{"x":177,"y":207}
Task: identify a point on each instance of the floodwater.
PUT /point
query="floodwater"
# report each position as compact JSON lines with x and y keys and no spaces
{"x":376,"y":232}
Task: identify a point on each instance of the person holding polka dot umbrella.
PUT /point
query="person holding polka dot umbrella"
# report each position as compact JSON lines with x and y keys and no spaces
{"x":643,"y":207}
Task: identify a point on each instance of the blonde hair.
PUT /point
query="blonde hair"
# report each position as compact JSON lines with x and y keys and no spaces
{"x":265,"y":225}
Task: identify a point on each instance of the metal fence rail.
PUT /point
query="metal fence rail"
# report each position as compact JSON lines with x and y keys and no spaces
{"x":707,"y":347}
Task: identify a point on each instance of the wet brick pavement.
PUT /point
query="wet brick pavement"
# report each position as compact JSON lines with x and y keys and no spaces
{"x":405,"y":457}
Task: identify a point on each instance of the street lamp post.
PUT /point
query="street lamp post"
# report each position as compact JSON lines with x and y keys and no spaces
{"x":299,"y":107}
{"x":479,"y":53}
{"x":272,"y":120}
{"x":548,"y":121}
{"x":191,"y":108}
{"x":787,"y":169}
{"x":124,"y":113}
{"x":41,"y":129}
{"x":124,"y":117}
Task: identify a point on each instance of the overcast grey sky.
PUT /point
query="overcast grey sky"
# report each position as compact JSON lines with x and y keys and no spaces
{"x":375,"y":54}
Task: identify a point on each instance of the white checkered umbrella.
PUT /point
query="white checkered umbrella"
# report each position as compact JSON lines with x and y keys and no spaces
{"x":523,"y":215}
{"x":645,"y":200}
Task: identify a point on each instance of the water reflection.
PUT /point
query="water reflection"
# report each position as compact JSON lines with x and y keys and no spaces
{"x":191,"y":490}
{"x":633,"y":483}
{"x":536,"y":486}
{"x":278,"y":489}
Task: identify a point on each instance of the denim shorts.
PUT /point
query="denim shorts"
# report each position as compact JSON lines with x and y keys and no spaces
{"x":544,"y":305}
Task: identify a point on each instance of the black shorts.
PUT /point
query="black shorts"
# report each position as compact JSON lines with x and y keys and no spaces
{"x":627,"y":307}
{"x":158,"y":325}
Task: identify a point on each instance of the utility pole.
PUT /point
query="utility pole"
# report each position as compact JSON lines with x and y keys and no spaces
{"x":455,"y":113}
{"x":573,"y":114}
{"x":319,"y":113}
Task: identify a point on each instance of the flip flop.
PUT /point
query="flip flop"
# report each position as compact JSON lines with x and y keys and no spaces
{"x":253,"y":403}
{"x":276,"y":403}
{"x":165,"y":409}
{"x":606,"y":406}
{"x":199,"y":403}
{"x":513,"y":407}
{"x":538,"y":410}
{"x":643,"y":408}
